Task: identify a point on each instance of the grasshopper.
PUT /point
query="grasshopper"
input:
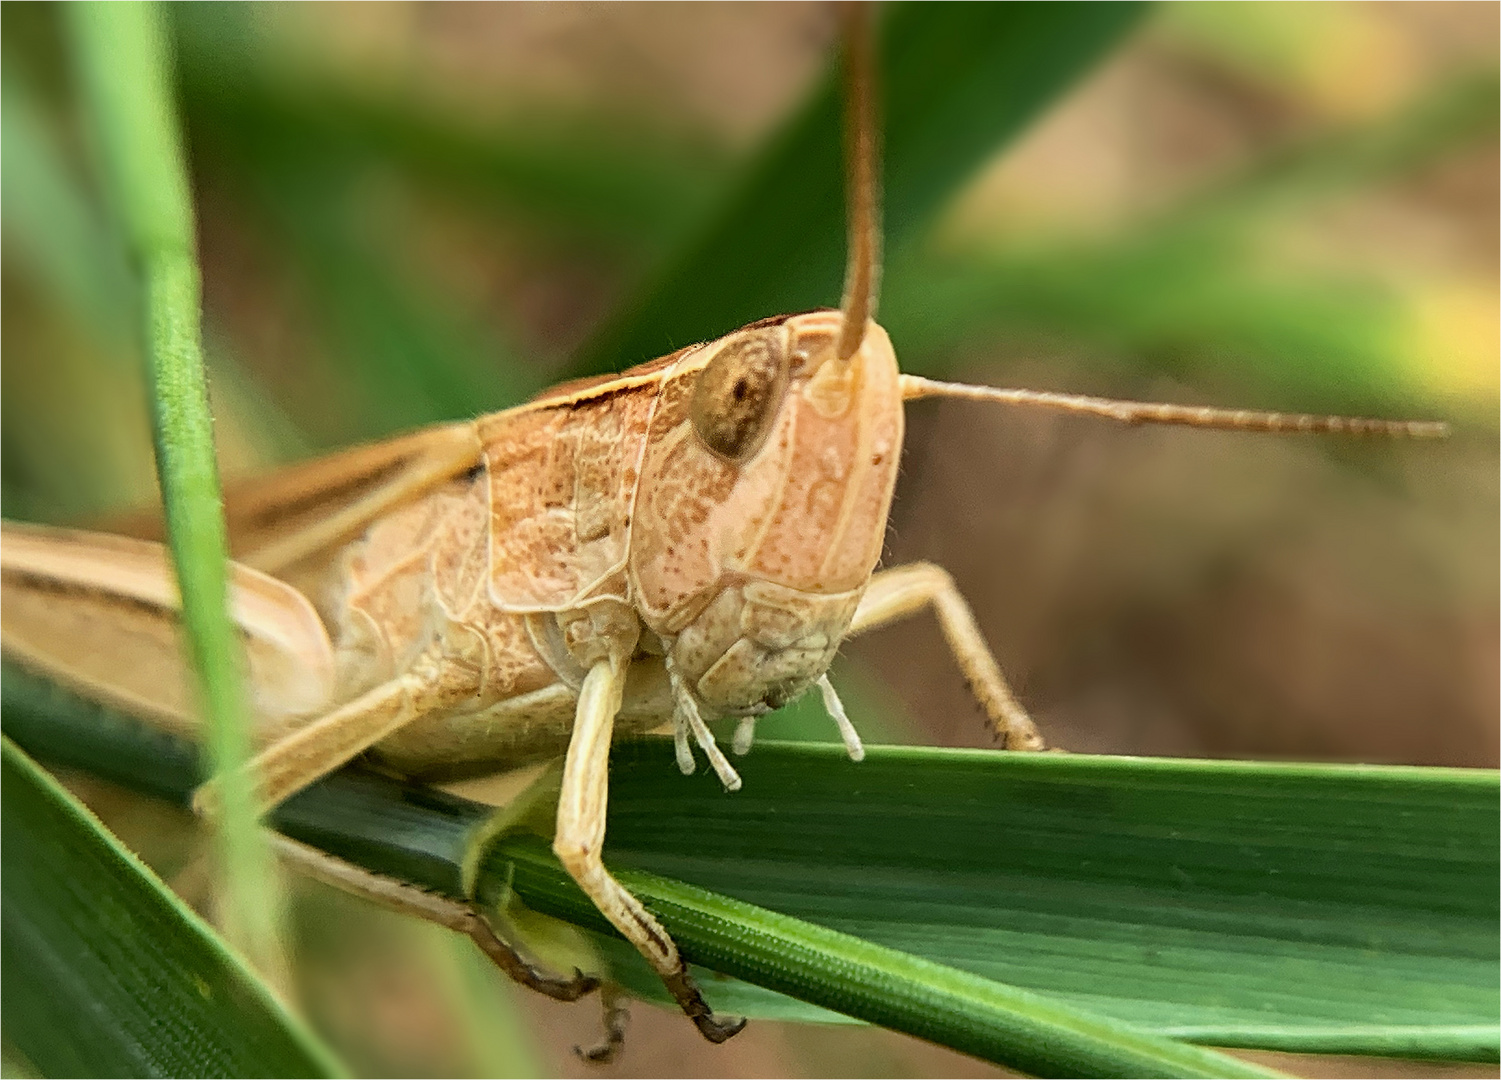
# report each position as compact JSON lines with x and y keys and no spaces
{"x":690,"y":539}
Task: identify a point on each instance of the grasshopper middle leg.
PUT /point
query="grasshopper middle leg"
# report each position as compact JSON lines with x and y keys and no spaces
{"x":903,"y":590}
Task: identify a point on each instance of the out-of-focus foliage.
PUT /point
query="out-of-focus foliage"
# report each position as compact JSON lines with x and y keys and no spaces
{"x":381,"y":260}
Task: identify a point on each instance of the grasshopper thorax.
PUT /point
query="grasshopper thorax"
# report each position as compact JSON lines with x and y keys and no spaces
{"x":762,"y":505}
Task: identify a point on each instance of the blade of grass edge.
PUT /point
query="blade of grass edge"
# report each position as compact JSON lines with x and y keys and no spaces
{"x":107,"y":973}
{"x":1002,"y":1024}
{"x":121,"y":56}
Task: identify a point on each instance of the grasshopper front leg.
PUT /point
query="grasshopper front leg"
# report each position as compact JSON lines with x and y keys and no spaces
{"x":295,"y":761}
{"x":903,"y":590}
{"x":434,"y":683}
{"x":580,"y":839}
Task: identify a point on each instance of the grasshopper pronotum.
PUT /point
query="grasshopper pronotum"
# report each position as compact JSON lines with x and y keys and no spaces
{"x":692,"y":538}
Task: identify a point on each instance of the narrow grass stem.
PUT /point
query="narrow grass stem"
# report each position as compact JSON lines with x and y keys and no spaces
{"x":122,"y":62}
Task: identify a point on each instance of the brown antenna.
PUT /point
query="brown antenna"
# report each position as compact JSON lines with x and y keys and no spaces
{"x":862,"y":183}
{"x":1149,"y":412}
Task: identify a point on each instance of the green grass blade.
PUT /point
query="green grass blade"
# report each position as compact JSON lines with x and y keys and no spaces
{"x":121,"y":54}
{"x":1336,"y":908}
{"x":1339,"y":909}
{"x":107,"y":973}
{"x":957,"y":79}
{"x":1025,"y":1031}
{"x":424,"y":836}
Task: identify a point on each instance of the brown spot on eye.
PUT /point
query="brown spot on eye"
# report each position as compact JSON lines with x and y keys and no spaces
{"x":736,"y":396}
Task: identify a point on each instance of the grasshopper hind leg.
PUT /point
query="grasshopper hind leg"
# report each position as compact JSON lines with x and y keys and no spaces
{"x":451,"y":914}
{"x":580,"y":839}
{"x":521,"y":970}
{"x":613,"y":1019}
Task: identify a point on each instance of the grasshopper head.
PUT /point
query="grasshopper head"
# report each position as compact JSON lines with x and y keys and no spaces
{"x":768,"y":475}
{"x":762,"y":503}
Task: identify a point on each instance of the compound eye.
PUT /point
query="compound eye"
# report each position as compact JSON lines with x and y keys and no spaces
{"x":737,"y":394}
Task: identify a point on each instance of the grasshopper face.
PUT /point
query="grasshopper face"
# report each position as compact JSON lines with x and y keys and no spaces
{"x":762,"y":505}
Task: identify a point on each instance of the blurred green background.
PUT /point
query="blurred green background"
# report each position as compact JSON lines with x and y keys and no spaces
{"x":417,"y":212}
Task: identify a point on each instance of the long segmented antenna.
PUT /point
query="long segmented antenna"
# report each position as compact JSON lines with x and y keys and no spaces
{"x":1147,"y":412}
{"x":862,"y":184}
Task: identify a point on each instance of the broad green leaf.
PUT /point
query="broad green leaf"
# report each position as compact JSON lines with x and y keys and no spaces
{"x":1326,"y":908}
{"x":1322,"y":908}
{"x":1037,"y":1034}
{"x":107,"y":973}
{"x":429,"y":838}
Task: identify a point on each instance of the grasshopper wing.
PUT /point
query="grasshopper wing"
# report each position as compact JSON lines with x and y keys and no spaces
{"x":298,"y":513}
{"x":99,"y":614}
